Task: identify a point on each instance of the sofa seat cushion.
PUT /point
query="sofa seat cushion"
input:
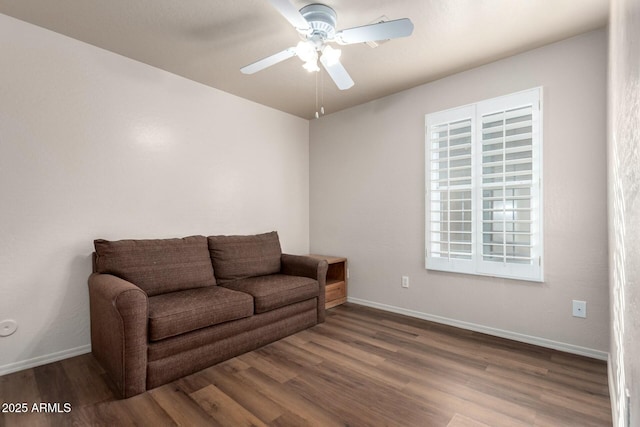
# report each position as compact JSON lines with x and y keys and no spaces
{"x":239,"y":257}
{"x":176,"y":313}
{"x":276,"y":290}
{"x":157,"y":265}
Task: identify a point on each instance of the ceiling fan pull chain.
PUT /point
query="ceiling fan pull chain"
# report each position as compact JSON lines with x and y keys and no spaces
{"x":317,"y":114}
{"x":321,"y":92}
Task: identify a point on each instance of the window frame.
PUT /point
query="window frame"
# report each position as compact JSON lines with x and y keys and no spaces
{"x":532,"y":271}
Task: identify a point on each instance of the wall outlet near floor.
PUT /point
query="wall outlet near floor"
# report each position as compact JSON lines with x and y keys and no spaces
{"x":405,"y":281}
{"x":8,"y":327}
{"x":579,"y":308}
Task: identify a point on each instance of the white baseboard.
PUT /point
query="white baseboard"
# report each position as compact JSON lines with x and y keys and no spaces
{"x":44,"y":359}
{"x":542,"y":342}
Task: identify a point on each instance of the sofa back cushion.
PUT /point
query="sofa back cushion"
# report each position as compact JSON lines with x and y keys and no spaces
{"x":240,"y":257}
{"x":157,"y":266}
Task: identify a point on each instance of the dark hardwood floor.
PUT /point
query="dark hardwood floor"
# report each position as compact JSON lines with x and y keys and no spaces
{"x":363,"y":367}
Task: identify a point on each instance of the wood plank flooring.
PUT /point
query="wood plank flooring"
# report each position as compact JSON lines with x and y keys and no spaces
{"x":363,"y":367}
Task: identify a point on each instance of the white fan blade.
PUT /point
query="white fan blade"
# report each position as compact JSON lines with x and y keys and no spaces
{"x":338,"y":73}
{"x":268,"y":61}
{"x":290,"y":13}
{"x":380,"y":31}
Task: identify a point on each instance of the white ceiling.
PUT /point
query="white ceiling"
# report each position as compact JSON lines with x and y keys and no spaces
{"x":210,"y":40}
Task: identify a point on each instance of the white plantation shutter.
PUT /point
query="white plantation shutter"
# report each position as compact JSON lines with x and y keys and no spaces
{"x":449,"y":148}
{"x":484,"y":213}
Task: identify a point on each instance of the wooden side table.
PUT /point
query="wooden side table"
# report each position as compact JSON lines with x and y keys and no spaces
{"x":336,"y":288}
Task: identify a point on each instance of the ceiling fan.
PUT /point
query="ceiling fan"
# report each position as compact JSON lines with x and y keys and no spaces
{"x":316,"y":24}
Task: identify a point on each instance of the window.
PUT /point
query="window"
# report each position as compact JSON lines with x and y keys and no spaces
{"x":483,"y":188}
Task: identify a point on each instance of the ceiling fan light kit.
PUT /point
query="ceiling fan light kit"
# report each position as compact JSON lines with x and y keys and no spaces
{"x":331,"y":55}
{"x":316,"y":24}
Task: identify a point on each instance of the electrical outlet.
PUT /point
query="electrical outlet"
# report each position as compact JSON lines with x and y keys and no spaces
{"x":8,"y":327}
{"x":579,"y":308}
{"x":405,"y":281}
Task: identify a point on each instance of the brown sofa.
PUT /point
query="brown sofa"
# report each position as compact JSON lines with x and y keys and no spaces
{"x":162,"y":309}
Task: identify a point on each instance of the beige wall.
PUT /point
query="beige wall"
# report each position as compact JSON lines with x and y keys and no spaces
{"x":624,"y":210}
{"x":367,"y":200}
{"x":94,"y":145}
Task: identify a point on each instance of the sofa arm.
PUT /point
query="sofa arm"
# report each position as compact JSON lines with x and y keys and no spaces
{"x":119,"y":316}
{"x":305,"y":266}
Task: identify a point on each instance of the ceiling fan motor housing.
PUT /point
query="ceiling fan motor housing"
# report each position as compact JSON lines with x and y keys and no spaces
{"x":322,"y":20}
